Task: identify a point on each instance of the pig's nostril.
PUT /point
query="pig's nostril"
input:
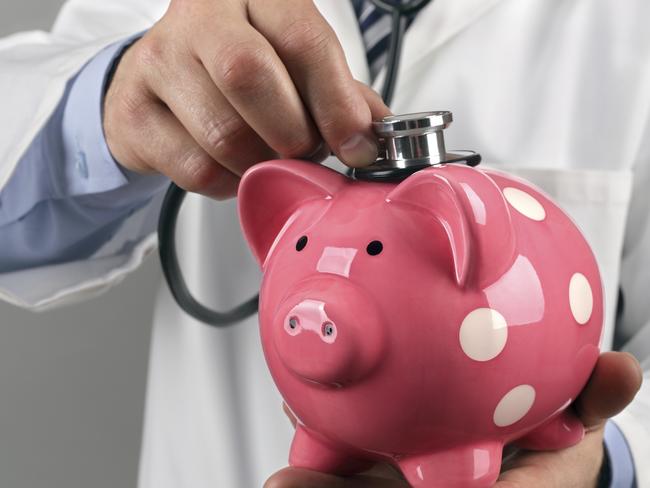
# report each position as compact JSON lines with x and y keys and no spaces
{"x":292,"y":326}
{"x":293,"y":323}
{"x":328,"y":329}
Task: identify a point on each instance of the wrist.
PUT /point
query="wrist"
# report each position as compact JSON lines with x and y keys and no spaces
{"x":88,"y":167}
{"x":118,"y":80}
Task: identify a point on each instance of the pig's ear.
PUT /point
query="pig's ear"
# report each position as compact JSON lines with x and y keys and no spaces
{"x":474,"y":214}
{"x":269,"y":193}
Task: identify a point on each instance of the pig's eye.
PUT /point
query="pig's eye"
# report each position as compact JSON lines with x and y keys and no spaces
{"x":302,"y":242}
{"x":374,"y":248}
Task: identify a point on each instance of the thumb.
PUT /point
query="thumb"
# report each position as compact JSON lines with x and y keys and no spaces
{"x":612,"y":386}
{"x":377,"y":107}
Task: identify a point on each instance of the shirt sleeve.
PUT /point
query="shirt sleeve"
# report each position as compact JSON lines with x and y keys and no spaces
{"x":68,"y":195}
{"x":618,"y":463}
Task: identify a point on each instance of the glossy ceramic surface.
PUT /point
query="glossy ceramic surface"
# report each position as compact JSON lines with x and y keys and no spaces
{"x":425,"y":323}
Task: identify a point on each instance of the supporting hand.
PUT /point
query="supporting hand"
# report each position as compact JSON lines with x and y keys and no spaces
{"x":612,"y":386}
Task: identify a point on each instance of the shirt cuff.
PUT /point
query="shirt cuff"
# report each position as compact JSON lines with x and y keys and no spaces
{"x":619,"y":458}
{"x":89,"y":165}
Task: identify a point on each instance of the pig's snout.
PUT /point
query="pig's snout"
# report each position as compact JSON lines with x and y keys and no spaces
{"x":334,"y":339}
{"x":310,"y":315}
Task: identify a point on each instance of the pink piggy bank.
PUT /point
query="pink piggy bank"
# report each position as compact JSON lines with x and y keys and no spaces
{"x":424,"y":323}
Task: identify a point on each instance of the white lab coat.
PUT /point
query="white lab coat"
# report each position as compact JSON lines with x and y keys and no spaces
{"x":557,"y":91}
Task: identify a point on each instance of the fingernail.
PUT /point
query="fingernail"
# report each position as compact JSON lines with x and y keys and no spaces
{"x":358,"y":150}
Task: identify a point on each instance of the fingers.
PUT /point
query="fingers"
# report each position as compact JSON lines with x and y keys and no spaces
{"x":186,"y":88}
{"x":303,"y":478}
{"x":612,"y":386}
{"x":249,"y":73}
{"x":152,"y":138}
{"x":315,"y":61}
{"x":233,"y":83}
{"x":577,"y":465}
{"x":378,"y":109}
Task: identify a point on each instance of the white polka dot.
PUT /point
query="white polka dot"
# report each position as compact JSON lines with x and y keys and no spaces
{"x":514,"y":405}
{"x":483,"y":334}
{"x":524,"y":203}
{"x":581,"y":299}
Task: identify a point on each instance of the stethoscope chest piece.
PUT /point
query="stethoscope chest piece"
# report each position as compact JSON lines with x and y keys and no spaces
{"x":411,"y":142}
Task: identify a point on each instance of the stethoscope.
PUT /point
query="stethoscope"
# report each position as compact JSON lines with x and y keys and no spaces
{"x":409,"y":144}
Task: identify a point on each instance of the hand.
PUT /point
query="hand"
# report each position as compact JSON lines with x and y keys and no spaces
{"x":612,"y":386}
{"x":218,"y":85}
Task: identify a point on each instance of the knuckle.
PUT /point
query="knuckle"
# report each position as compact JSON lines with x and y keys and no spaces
{"x":198,"y":172}
{"x":342,"y":117}
{"x":132,"y":109}
{"x":126,"y":117}
{"x":329,"y":123}
{"x":149,"y":52}
{"x":306,"y":39}
{"x":298,"y":147}
{"x":243,"y":68}
{"x":226,"y":136}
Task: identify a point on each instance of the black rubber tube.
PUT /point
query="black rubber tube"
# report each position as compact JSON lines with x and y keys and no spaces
{"x":400,"y":14}
{"x":171,"y":269}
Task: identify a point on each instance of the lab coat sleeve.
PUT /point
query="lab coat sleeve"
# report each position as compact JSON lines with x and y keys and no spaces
{"x":35,"y":71}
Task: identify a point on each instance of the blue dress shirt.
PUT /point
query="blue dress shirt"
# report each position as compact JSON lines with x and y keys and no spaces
{"x":618,"y":458}
{"x":68,"y":195}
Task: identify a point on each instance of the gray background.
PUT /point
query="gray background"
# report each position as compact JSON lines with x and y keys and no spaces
{"x":72,"y":380}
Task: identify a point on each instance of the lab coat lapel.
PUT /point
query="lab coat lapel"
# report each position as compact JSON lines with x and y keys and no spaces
{"x":437,"y":23}
{"x":341,"y":16}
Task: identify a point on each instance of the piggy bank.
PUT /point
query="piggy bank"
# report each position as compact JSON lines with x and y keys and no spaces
{"x":425,"y":323}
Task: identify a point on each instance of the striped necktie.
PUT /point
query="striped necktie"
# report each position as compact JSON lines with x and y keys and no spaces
{"x":375,"y":28}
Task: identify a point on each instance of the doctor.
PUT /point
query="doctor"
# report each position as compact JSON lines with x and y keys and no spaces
{"x":122,"y":95}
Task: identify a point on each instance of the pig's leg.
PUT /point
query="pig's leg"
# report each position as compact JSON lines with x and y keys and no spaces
{"x":562,"y":431}
{"x":470,"y":466}
{"x":309,"y":451}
